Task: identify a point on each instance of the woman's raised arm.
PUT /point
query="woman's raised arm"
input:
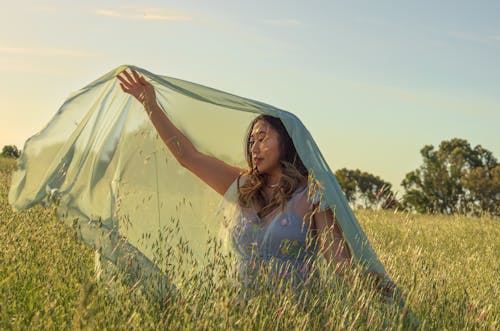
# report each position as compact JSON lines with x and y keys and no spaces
{"x":214,"y":172}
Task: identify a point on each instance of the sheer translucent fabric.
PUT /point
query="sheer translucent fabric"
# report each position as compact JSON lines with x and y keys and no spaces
{"x":101,"y":160}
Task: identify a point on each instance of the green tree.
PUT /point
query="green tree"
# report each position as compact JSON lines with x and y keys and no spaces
{"x":365,"y":189}
{"x":483,"y":190}
{"x":348,"y":180}
{"x":11,"y":151}
{"x":447,"y":183}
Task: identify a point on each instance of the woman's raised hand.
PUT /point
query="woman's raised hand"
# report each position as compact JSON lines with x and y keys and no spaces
{"x":137,"y":86}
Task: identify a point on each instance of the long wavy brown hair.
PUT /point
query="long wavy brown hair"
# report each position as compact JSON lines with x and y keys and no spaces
{"x":294,"y":173}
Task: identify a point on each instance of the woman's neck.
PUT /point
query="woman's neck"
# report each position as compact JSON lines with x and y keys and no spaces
{"x":273,"y":180}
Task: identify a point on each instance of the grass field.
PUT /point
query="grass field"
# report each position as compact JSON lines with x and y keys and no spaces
{"x":447,"y":266}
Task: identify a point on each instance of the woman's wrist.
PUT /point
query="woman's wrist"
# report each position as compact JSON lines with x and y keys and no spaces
{"x":148,"y":110}
{"x":149,"y":107}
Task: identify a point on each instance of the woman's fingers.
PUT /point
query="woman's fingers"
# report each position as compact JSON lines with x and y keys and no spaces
{"x":130,"y":79}
{"x":382,"y":282}
{"x":144,"y":81}
{"x":136,"y":85}
{"x":387,"y":287}
{"x":124,"y":82}
{"x":136,"y":75}
{"x":124,"y":89}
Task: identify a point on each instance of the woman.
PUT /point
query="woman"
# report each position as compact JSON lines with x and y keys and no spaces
{"x":275,"y":209}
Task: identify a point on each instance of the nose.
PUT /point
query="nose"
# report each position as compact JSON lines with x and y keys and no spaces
{"x":254,"y":148}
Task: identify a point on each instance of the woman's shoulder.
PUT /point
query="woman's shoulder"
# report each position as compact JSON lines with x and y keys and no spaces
{"x":308,"y":195}
{"x":232,"y":192}
{"x":242,"y":178}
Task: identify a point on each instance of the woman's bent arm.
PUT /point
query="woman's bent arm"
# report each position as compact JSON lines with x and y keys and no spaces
{"x":335,"y":249}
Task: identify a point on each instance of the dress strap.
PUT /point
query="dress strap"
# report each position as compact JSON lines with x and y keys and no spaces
{"x":238,"y":182}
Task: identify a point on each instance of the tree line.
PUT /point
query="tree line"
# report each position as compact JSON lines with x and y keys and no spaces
{"x":454,"y":178}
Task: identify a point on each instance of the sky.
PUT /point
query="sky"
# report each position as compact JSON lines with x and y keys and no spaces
{"x":373,"y":81}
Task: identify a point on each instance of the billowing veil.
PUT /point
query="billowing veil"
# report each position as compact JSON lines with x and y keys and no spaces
{"x":114,"y":180}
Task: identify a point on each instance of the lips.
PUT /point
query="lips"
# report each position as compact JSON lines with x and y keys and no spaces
{"x":257,"y":160}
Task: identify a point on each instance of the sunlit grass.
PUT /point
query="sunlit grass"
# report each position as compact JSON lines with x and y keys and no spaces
{"x":447,"y":267}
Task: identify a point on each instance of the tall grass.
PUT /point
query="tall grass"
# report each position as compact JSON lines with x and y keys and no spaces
{"x":447,"y":267}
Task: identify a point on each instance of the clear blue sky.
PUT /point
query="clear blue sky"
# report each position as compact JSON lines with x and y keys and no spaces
{"x":373,"y":81}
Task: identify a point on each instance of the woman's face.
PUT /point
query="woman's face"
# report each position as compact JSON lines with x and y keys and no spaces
{"x":265,"y":148}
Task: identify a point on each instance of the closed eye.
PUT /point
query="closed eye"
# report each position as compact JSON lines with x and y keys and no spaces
{"x":252,"y":141}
